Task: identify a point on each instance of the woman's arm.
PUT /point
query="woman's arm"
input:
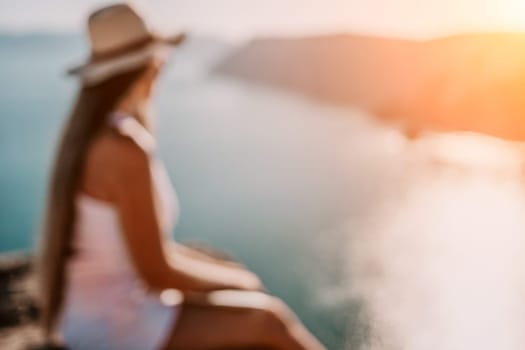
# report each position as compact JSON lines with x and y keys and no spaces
{"x":145,"y":243}
{"x":191,"y":251}
{"x":182,"y":254}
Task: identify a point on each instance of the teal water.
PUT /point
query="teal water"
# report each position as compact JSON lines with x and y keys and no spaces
{"x":376,"y":242}
{"x":32,"y":104}
{"x":251,"y":170}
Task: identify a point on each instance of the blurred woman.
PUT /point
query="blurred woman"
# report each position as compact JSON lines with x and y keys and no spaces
{"x":111,"y":276}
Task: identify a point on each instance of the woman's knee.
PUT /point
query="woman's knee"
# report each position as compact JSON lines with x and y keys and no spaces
{"x":276,"y":315}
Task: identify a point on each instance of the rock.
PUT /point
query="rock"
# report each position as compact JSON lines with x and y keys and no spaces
{"x":18,"y":308}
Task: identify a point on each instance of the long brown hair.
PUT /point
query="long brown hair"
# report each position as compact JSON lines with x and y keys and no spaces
{"x":88,"y":117}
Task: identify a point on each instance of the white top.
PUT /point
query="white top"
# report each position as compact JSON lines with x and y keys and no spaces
{"x":106,"y":305}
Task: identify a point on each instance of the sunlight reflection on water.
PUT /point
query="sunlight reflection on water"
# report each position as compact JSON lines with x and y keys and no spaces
{"x":439,"y":264}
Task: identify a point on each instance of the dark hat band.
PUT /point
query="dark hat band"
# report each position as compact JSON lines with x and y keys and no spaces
{"x":125,"y":49}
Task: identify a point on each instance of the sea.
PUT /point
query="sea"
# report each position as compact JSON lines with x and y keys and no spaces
{"x":376,"y":241}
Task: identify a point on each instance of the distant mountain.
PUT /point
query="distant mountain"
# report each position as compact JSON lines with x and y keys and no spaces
{"x":467,"y":82}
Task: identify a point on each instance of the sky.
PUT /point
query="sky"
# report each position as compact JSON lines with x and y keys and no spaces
{"x":238,"y":19}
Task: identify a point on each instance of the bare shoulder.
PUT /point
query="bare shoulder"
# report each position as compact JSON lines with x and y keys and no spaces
{"x":113,"y":159}
{"x":119,"y":153}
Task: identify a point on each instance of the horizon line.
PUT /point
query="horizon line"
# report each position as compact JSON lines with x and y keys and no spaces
{"x":11,"y":31}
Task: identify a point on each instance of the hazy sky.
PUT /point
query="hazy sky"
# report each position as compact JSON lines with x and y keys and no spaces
{"x":245,"y":18}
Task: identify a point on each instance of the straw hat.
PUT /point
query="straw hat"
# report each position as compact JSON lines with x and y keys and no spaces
{"x":121,"y":40}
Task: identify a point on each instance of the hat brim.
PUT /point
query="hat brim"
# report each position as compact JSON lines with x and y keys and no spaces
{"x":168,"y":41}
{"x":174,"y":40}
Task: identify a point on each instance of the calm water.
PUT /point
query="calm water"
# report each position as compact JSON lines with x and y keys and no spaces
{"x":367,"y":236}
